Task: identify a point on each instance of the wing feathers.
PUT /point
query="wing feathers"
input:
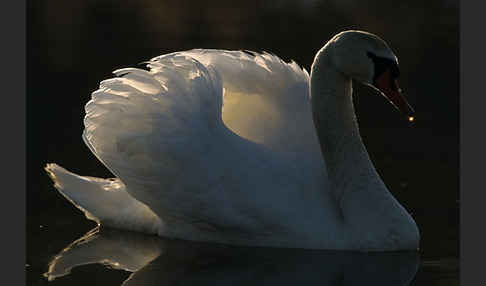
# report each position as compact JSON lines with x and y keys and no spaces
{"x":143,"y":124}
{"x":265,"y":99}
{"x":164,"y":125}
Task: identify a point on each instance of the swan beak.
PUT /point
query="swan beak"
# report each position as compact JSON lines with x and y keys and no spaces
{"x":389,"y":87}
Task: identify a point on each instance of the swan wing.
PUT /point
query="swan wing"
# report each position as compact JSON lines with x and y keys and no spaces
{"x":163,"y":132}
{"x":266,"y":100}
{"x":146,"y":125}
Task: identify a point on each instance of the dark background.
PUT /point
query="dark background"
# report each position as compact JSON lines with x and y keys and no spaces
{"x":73,"y":45}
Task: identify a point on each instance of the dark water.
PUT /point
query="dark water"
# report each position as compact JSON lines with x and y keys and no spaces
{"x":72,"y":45}
{"x":149,"y":260}
{"x":138,"y":259}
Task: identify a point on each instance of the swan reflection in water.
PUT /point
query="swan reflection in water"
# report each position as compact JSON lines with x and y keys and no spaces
{"x":154,"y":260}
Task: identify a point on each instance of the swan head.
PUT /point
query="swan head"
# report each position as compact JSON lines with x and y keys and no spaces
{"x":366,"y":58}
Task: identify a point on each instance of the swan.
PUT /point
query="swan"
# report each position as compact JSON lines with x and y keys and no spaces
{"x":238,"y":147}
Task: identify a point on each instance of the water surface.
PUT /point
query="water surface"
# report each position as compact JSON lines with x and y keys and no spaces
{"x":113,"y":257}
{"x":73,"y":45}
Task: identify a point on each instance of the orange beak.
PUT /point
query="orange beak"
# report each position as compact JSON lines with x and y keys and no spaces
{"x":389,"y":86}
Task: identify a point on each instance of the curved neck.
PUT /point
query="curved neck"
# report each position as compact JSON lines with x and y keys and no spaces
{"x":348,"y":165}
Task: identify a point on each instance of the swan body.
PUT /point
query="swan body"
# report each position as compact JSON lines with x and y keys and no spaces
{"x":242,"y":148}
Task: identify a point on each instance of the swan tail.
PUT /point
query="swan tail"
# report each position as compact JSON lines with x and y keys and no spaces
{"x":103,"y":200}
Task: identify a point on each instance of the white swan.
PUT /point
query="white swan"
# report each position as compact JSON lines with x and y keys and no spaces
{"x":251,"y":172}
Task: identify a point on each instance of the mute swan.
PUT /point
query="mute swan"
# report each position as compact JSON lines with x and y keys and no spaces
{"x":275,"y":166}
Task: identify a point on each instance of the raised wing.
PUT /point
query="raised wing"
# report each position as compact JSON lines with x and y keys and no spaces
{"x":164,"y":132}
{"x":265,"y":99}
{"x":148,"y":125}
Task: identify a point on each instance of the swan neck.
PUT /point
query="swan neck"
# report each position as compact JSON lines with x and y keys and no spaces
{"x":334,"y":117}
{"x":362,"y":198}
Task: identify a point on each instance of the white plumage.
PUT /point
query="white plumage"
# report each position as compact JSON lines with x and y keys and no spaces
{"x":211,"y":145}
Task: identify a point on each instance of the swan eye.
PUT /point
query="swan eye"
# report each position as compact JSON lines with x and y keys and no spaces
{"x":382,"y":64}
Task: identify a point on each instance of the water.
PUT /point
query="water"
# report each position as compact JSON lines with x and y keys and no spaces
{"x":113,"y":257}
{"x":74,"y":45}
{"x":423,"y":180}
